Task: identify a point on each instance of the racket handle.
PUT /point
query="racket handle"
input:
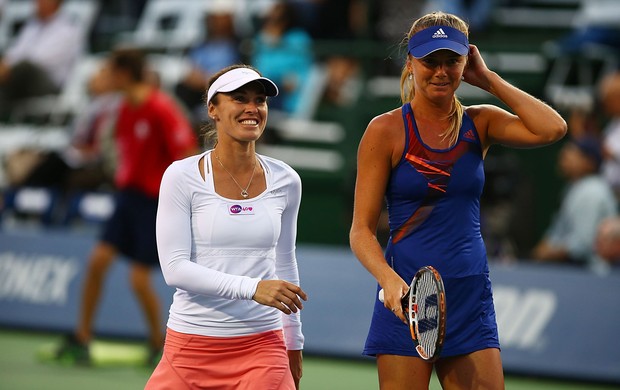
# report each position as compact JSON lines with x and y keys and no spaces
{"x":381,"y":295}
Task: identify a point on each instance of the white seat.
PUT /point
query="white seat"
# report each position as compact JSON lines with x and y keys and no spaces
{"x":14,"y":14}
{"x":169,"y":25}
{"x":169,"y":68}
{"x":95,"y":206}
{"x":32,"y":200}
{"x":82,"y":12}
{"x":72,"y":98}
{"x":176,"y":25}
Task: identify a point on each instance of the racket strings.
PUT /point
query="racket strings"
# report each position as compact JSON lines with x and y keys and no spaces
{"x":427,"y":324}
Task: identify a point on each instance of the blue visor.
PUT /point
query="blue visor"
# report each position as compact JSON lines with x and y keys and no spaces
{"x":431,"y":39}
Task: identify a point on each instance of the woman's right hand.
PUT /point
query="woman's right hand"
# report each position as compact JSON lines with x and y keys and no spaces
{"x":476,"y":71}
{"x":392,"y":296}
{"x":282,"y":295}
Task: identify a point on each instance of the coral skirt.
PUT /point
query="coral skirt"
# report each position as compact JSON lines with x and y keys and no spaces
{"x":191,"y":361}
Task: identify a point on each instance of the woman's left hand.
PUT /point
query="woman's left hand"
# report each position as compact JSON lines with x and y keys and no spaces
{"x":295,"y":359}
{"x":280,"y":294}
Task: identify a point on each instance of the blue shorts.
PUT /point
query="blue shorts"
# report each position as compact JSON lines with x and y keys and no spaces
{"x":131,"y":228}
{"x":470,"y":322}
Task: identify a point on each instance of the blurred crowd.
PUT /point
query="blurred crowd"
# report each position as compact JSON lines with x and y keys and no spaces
{"x":39,"y":58}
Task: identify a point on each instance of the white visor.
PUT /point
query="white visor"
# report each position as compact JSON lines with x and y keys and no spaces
{"x":237,"y":78}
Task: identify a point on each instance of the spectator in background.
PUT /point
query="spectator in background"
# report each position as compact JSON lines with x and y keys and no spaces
{"x":40,"y":59}
{"x":609,"y":94}
{"x":92,"y":149}
{"x":607,"y":242}
{"x":88,"y":162}
{"x":284,"y":53}
{"x":344,"y":84}
{"x":151,"y":133}
{"x":587,"y":201}
{"x":347,"y":21}
{"x":219,"y":50}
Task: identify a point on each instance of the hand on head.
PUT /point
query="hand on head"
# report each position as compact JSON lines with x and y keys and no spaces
{"x":476,"y":71}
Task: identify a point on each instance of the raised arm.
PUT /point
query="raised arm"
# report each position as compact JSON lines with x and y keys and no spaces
{"x":532,"y":122}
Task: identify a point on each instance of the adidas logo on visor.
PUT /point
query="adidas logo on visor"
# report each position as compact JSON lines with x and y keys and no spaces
{"x":440,"y":34}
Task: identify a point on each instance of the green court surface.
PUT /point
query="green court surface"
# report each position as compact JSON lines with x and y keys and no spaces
{"x":23,"y":366}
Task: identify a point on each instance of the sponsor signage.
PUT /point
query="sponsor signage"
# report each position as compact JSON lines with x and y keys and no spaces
{"x":41,"y":275}
{"x":553,"y":321}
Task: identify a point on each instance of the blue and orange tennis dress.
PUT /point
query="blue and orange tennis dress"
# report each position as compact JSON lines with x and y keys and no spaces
{"x":433,"y":199}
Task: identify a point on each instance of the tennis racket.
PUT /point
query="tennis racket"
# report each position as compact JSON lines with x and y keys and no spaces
{"x":424,"y":306}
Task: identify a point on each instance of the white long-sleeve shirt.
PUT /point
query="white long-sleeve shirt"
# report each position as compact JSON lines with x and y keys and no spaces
{"x":214,"y":250}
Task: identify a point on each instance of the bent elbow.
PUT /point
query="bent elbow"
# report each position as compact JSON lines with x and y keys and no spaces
{"x":556,"y":131}
{"x":353,"y":237}
{"x":169,"y":279}
{"x":172,"y":278}
{"x":560,"y":131}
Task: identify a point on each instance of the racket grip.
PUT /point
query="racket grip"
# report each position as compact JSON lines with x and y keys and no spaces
{"x":381,"y":295}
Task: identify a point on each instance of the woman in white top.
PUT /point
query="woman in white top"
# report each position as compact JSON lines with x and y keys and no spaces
{"x":226,"y":231}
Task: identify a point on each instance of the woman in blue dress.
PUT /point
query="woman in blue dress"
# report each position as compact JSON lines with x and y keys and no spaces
{"x":425,"y":159}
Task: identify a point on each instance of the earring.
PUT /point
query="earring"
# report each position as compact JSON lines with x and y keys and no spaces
{"x":410,"y":76}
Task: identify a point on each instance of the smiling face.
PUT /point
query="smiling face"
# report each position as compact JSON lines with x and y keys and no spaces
{"x":438,"y":75}
{"x":240,"y":114}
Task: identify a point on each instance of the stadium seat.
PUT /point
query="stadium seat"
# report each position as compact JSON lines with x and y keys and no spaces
{"x":89,"y":208}
{"x":58,"y":109}
{"x":35,"y":204}
{"x":174,"y":26}
{"x":168,"y":25}
{"x":14,"y":15}
{"x":169,"y":68}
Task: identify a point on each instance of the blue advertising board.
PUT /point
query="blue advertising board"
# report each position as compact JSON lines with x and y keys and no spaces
{"x":553,"y":320}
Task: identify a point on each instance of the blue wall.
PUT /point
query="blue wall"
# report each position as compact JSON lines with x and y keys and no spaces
{"x":553,"y":321}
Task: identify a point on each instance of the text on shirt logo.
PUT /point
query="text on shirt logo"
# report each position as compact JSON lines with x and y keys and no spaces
{"x":238,"y":209}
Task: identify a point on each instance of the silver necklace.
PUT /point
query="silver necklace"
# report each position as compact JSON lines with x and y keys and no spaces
{"x":244,"y":192}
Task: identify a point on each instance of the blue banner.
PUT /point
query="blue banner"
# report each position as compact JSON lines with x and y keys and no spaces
{"x":553,"y":320}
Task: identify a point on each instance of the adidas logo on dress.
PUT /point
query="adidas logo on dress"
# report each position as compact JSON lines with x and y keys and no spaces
{"x":440,"y":34}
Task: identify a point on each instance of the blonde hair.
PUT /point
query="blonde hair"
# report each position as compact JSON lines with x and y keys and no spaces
{"x":407,"y":91}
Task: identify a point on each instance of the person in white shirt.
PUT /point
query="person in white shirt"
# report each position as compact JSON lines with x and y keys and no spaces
{"x":587,"y":200}
{"x":42,"y":56}
{"x":609,"y":96}
{"x":607,"y":243}
{"x":226,"y":233}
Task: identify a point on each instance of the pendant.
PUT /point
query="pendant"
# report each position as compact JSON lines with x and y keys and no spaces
{"x":244,"y":193}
